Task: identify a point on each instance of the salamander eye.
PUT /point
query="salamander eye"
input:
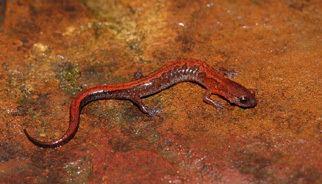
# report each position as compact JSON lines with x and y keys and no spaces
{"x":243,"y":99}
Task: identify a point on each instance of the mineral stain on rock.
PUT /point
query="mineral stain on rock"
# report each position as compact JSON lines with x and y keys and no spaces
{"x":51,"y":51}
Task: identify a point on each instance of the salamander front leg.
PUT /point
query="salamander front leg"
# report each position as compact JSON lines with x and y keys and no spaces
{"x":150,"y":111}
{"x":212,"y":102}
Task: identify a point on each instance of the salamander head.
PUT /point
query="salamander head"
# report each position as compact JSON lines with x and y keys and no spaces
{"x":237,"y":94}
{"x":245,"y":101}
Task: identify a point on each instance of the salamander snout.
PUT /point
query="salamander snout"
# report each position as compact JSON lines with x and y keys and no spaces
{"x":246,"y":101}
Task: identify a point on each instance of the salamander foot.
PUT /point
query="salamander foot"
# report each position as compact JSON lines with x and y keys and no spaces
{"x":212,"y":102}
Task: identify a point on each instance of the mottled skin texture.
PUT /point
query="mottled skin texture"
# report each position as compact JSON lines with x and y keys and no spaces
{"x":187,"y":70}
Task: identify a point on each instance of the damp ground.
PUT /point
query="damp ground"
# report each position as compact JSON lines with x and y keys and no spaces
{"x":50,"y":51}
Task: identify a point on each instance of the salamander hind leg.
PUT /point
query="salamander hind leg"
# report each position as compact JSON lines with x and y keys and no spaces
{"x":228,"y":73}
{"x":150,"y":111}
{"x":212,"y":102}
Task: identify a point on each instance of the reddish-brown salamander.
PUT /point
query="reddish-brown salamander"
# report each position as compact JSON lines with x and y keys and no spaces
{"x":178,"y":71}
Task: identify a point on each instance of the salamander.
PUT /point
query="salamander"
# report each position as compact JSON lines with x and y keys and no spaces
{"x":185,"y":70}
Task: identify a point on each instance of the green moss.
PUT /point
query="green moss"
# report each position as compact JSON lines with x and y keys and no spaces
{"x":16,"y":79}
{"x":68,"y":75}
{"x":25,"y":99}
{"x":120,"y":20}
